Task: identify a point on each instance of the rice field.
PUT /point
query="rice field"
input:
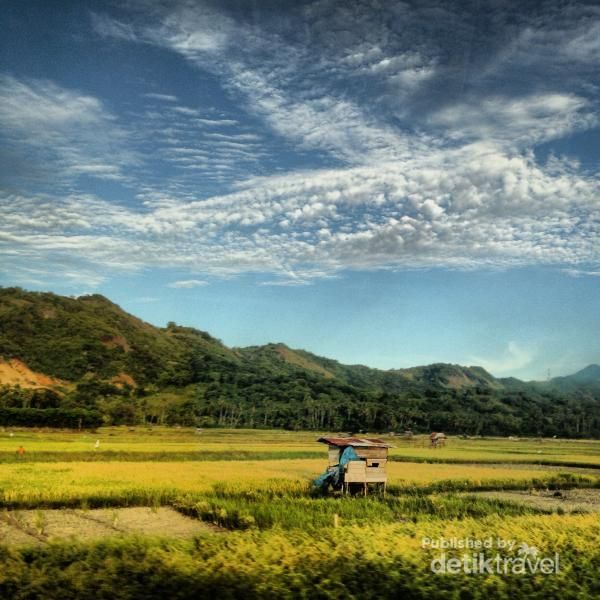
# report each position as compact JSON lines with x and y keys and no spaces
{"x":161,"y":443}
{"x":232,"y":513}
{"x":51,"y":483}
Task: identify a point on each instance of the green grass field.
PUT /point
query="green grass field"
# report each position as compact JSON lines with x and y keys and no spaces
{"x":268,"y":532}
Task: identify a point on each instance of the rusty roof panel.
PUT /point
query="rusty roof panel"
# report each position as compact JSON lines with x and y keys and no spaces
{"x":354,"y":441}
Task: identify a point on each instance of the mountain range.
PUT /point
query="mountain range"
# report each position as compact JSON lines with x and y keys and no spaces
{"x":87,"y":354}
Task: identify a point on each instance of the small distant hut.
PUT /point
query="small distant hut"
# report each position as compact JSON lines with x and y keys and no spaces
{"x":437,"y":439}
{"x":354,"y":464}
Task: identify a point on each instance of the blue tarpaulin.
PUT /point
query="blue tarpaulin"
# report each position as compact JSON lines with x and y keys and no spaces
{"x":333,"y":476}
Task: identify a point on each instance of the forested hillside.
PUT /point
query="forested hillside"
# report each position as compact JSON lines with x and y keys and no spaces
{"x":85,"y":361}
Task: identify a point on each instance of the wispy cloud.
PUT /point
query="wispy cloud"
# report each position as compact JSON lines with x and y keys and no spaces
{"x":410,"y":172}
{"x":461,"y":210}
{"x":515,"y":357}
{"x":187,"y":284}
{"x":112,"y":28}
{"x":68,"y":132}
{"x":516,"y":122}
{"x":581,"y":273}
{"x":162,"y":97}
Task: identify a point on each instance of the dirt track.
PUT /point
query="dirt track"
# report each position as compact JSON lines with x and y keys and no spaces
{"x":41,"y":526}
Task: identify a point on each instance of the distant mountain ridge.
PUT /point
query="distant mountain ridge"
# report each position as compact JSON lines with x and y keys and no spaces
{"x":89,"y":353}
{"x":79,"y":326}
{"x":588,"y":376}
{"x":438,"y":374}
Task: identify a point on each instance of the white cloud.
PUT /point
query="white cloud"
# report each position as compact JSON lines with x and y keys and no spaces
{"x":515,"y":357}
{"x":309,"y":118}
{"x":106,"y":26}
{"x":460,"y":209}
{"x":203,"y":145}
{"x":516,"y":121}
{"x":163,"y":97}
{"x":469,"y":193}
{"x":67,"y":132}
{"x":187,"y":284}
{"x":581,"y":273}
{"x":584,"y":45}
{"x":38,"y":103}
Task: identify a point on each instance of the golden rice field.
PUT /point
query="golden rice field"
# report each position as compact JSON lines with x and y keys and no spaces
{"x":48,"y":481}
{"x":267,"y":534}
{"x":70,"y":478}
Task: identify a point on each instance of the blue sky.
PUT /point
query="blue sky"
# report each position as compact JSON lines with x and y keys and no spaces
{"x":379,"y":182}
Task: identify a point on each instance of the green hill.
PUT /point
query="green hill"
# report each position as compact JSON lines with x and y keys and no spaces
{"x":89,"y":361}
{"x":587,"y":377}
{"x":73,"y":339}
{"x":442,"y":375}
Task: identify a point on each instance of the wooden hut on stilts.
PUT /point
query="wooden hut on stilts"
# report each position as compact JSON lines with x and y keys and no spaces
{"x":355,"y":464}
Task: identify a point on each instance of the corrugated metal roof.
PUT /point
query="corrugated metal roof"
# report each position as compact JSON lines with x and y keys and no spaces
{"x":354,"y":441}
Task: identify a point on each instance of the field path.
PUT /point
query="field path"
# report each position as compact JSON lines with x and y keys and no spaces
{"x":34,"y":527}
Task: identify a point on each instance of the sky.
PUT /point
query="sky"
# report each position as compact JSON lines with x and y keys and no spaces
{"x":385,"y":183}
